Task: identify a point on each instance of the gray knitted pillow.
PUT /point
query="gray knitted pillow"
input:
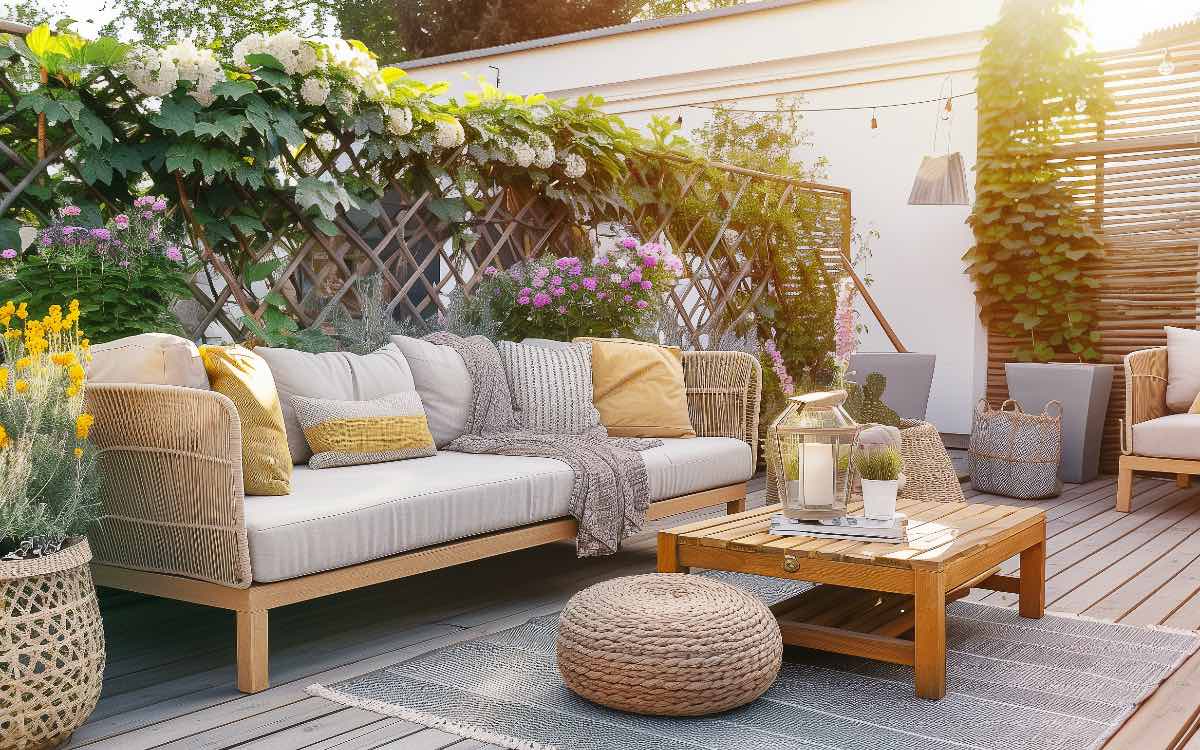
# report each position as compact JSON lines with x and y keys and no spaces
{"x":551,"y":388}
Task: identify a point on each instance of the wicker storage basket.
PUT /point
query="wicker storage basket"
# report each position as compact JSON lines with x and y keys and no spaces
{"x":51,"y":648}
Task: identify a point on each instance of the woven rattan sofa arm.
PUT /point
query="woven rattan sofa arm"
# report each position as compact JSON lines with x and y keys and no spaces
{"x":724,"y":390}
{"x":171,"y":482}
{"x":1145,"y":390}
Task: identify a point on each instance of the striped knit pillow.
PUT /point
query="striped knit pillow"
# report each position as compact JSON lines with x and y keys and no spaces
{"x":347,"y":433}
{"x":551,"y":388}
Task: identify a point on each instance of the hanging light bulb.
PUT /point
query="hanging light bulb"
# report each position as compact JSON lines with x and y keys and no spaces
{"x":948,"y":110}
{"x":1167,"y":66}
{"x":874,"y":121}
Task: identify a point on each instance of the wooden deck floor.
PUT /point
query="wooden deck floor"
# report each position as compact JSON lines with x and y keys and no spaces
{"x":170,"y":676}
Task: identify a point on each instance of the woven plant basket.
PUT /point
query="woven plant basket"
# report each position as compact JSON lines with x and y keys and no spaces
{"x":51,"y":648}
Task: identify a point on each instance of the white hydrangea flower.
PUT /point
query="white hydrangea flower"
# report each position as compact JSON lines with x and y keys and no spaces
{"x":251,"y":44}
{"x":450,"y":134}
{"x":523,"y":153}
{"x":375,"y":88}
{"x":545,"y":157}
{"x":400,"y":120}
{"x":296,"y":55}
{"x":327,"y":141}
{"x":153,"y":74}
{"x":574,"y":166}
{"x":197,"y":65}
{"x":352,"y":62}
{"x":314,"y":91}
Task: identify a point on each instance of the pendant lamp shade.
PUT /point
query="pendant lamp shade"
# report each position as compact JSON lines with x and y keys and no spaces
{"x":941,"y":181}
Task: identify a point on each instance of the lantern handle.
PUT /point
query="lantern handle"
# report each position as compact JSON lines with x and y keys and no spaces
{"x":821,"y":398}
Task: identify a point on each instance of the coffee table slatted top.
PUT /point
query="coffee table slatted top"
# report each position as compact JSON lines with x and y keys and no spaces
{"x":938,"y":534}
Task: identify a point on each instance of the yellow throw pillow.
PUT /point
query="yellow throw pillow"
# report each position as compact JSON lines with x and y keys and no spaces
{"x":638,"y":389}
{"x":349,"y":433}
{"x":244,"y":377}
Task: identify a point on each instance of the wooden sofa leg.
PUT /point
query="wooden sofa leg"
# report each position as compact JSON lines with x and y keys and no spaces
{"x":1183,"y":481}
{"x":735,"y":506}
{"x":252,"y":651}
{"x":1124,"y":487}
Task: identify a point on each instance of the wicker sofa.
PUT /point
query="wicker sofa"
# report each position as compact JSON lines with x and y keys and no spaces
{"x":1152,"y":437}
{"x":177,"y":524}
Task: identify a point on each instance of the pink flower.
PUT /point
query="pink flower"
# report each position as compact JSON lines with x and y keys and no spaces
{"x":142,"y":202}
{"x":522,"y":300}
{"x":68,"y":231}
{"x":627,"y":298}
{"x":642,"y":304}
{"x":563,"y":264}
{"x":649,"y":261}
{"x":628,"y":243}
{"x":71,"y":211}
{"x":601,"y":261}
{"x":541,"y":272}
{"x":538,"y":281}
{"x":46,"y":240}
{"x":624,"y":283}
{"x":590,"y":283}
{"x":124,"y":264}
{"x":558,"y":291}
{"x":100,"y":233}
{"x":601,"y":296}
{"x":122,"y":221}
{"x":490,"y":271}
{"x":652,"y":248}
{"x":525,"y":292}
{"x":556,"y":281}
{"x":8,"y":254}
{"x":562,"y":310}
{"x":541,"y":299}
{"x":159,"y":205}
{"x":147,"y":214}
{"x":635,"y":276}
{"x":174,"y":254}
{"x":574,"y":287}
{"x":647,"y":285}
{"x":614,"y":278}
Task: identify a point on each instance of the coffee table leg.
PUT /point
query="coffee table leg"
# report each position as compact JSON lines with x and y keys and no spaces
{"x":1033,"y":580}
{"x":929,"y":635}
{"x":668,"y":553}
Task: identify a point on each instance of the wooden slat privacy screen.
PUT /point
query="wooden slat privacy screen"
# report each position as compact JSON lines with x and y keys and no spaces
{"x":1140,"y":179}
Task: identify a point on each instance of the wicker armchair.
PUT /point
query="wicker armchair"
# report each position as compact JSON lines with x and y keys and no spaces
{"x":1154,"y":445}
{"x":173,"y":521}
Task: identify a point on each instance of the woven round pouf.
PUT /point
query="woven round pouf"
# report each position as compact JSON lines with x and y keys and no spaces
{"x":668,"y":645}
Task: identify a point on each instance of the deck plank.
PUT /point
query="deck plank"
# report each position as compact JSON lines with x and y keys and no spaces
{"x":177,"y":692}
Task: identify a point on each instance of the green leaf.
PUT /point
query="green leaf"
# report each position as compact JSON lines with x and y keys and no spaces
{"x":234,"y":89}
{"x":325,"y":197}
{"x":94,"y":167}
{"x":105,"y":51}
{"x":286,"y":126}
{"x":91,"y":129}
{"x":264,"y":60}
{"x":276,"y":299}
{"x":261,"y":271}
{"x":273,"y":77}
{"x":326,"y":226}
{"x":177,"y":115}
{"x":182,"y":157}
{"x":43,"y":104}
{"x":248,"y":224}
{"x":229,"y":125}
{"x":448,"y":210}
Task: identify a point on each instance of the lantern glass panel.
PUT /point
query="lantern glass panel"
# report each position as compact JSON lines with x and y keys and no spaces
{"x":812,"y":440}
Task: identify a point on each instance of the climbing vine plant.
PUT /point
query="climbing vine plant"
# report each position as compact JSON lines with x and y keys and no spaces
{"x":1032,"y":241}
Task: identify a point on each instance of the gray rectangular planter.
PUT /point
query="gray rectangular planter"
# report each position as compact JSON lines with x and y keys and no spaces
{"x":909,"y":379}
{"x":1083,"y":391}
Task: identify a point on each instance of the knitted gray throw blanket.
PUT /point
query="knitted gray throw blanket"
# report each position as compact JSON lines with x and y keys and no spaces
{"x":610,"y":493}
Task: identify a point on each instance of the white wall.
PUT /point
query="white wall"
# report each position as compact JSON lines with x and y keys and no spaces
{"x":837,"y":53}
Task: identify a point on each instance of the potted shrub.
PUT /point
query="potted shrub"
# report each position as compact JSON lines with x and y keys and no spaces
{"x":878,"y":468}
{"x":51,"y":636}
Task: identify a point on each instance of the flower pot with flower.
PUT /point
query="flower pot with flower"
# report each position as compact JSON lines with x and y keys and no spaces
{"x":51,"y":636}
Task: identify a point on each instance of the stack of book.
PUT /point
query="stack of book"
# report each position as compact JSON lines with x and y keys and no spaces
{"x":859,"y":528}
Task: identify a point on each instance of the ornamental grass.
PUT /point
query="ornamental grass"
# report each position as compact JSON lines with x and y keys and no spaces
{"x":48,"y":481}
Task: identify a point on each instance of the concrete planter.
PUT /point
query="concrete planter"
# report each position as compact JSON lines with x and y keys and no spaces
{"x":1083,"y":391}
{"x":909,"y":379}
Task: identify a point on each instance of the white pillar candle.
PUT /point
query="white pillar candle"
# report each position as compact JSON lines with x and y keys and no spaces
{"x":816,"y":474}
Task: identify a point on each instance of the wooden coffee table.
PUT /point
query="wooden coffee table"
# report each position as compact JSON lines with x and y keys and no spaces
{"x":875,"y":594}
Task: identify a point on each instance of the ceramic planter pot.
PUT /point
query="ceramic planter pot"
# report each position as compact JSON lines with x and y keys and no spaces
{"x":909,"y":379}
{"x":1083,"y":391}
{"x":879,"y":498}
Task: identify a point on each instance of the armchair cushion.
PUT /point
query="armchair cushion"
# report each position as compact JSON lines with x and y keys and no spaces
{"x":1172,"y":436}
{"x":1183,"y":368}
{"x":148,"y":358}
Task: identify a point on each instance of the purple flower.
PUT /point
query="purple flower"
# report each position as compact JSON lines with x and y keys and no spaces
{"x":516,"y":273}
{"x":142,"y":202}
{"x":522,"y":300}
{"x":556,"y":281}
{"x":562,"y":310}
{"x":574,"y":287}
{"x":46,"y":239}
{"x":601,"y":261}
{"x":541,"y":299}
{"x":538,"y":281}
{"x":541,"y":272}
{"x":589,"y":283}
{"x":563,"y":264}
{"x":122,"y":221}
{"x":635,"y":276}
{"x":647,"y":285}
{"x":100,"y":233}
{"x":628,"y":243}
{"x":642,"y":304}
{"x":159,"y":205}
{"x":147,"y":214}
{"x":173,"y":253}
{"x":153,"y":236}
{"x":490,"y":271}
{"x":558,"y":291}
{"x":624,"y":283}
{"x":68,"y":231}
{"x":71,"y":211}
{"x":601,"y":296}
{"x":124,"y":264}
{"x":8,"y":254}
{"x":649,"y":261}
{"x":627,"y":298}
{"x":652,"y":248}
{"x":525,"y":292}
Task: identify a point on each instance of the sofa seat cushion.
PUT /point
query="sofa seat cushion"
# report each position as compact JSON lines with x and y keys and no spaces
{"x":352,"y":514}
{"x":1172,"y":436}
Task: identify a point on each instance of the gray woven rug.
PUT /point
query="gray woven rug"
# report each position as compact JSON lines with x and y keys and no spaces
{"x":1060,"y":683}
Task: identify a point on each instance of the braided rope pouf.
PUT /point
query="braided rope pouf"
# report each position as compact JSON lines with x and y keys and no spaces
{"x":668,"y":645}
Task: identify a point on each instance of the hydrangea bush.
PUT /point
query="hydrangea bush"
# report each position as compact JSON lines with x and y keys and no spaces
{"x":48,"y":483}
{"x":127,"y":272}
{"x":616,"y":293}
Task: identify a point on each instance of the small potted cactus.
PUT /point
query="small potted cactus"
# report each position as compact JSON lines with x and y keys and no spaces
{"x":878,"y":468}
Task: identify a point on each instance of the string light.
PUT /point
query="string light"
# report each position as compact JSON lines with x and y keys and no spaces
{"x":1167,"y":66}
{"x":948,"y":110}
{"x":874,"y":121}
{"x":855,"y":108}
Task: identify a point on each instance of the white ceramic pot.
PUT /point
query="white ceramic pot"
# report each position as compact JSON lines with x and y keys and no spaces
{"x":879,"y":498}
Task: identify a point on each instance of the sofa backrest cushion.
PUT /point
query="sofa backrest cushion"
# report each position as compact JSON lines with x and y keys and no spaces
{"x":1183,"y":368}
{"x":444,"y":384}
{"x":148,"y":358}
{"x":337,"y":376}
{"x":639,"y":390}
{"x":551,"y":388}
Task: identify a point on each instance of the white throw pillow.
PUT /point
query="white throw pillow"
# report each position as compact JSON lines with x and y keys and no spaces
{"x":551,"y":388}
{"x":154,"y":358}
{"x":444,"y":384}
{"x":1183,"y":368}
{"x":334,"y":376}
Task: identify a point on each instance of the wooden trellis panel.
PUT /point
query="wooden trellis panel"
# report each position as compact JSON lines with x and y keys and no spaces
{"x":1140,"y":182}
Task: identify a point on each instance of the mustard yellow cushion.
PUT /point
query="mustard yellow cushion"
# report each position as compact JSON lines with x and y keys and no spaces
{"x":638,"y":389}
{"x":244,"y":377}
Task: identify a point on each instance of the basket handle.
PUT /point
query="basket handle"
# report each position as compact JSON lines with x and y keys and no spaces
{"x":1057,"y":405}
{"x":1016,"y":406}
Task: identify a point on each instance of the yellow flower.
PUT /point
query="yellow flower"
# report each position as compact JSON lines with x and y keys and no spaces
{"x":3,"y":377}
{"x":4,"y":439}
{"x":79,"y":453}
{"x":76,"y":373}
{"x":23,"y":311}
{"x":12,"y":333}
{"x":20,"y":386}
{"x":83,"y":423}
{"x":73,"y":390}
{"x":23,"y":362}
{"x":84,"y":344}
{"x":74,"y":307}
{"x":63,"y":359}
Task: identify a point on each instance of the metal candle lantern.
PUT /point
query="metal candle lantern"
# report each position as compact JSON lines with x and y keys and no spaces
{"x":809,"y":447}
